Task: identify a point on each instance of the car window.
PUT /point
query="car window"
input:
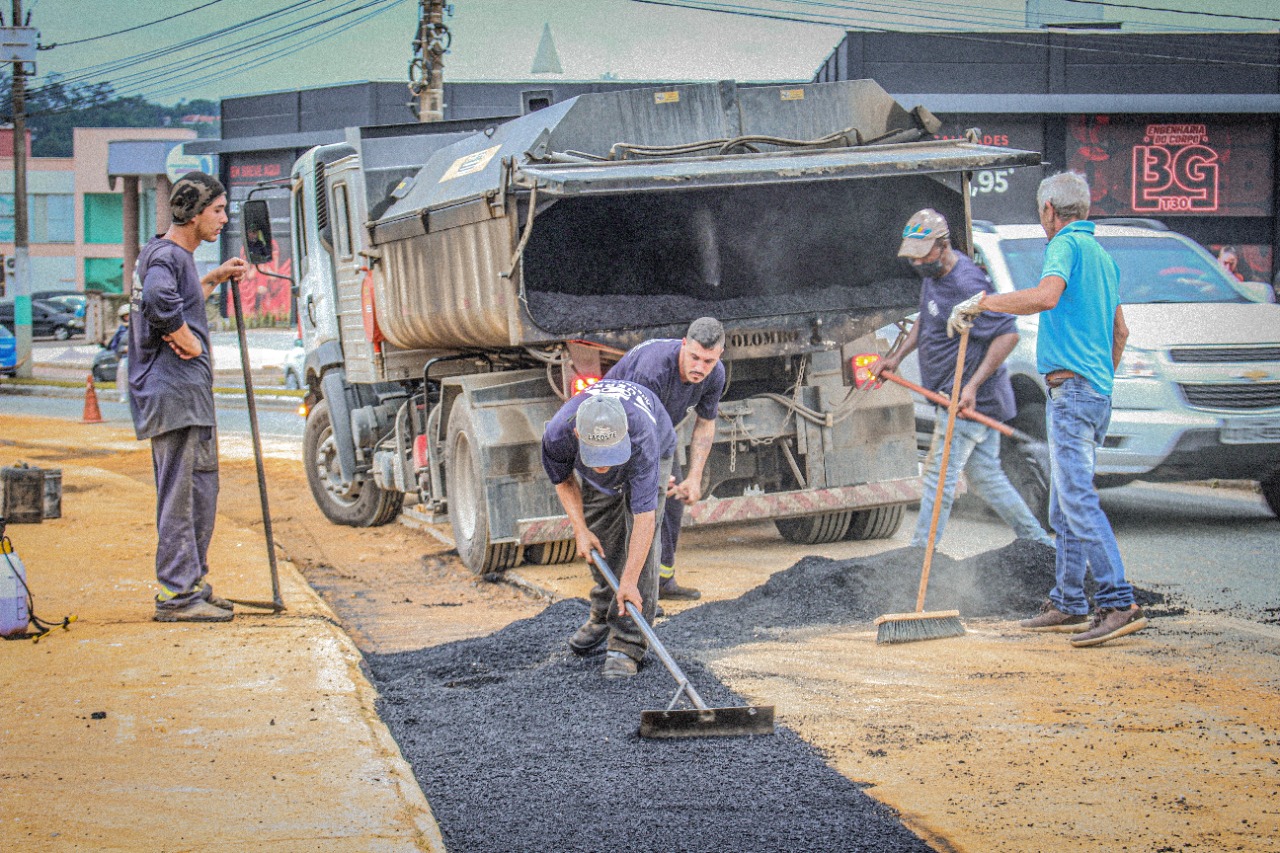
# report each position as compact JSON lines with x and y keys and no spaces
{"x":1152,"y":269}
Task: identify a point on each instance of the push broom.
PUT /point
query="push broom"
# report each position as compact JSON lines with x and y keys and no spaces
{"x":922,"y":625}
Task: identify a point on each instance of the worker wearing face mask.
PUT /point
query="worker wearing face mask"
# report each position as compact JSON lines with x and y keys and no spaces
{"x":950,"y":277}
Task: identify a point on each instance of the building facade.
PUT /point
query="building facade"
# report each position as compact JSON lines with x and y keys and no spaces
{"x":75,"y":214}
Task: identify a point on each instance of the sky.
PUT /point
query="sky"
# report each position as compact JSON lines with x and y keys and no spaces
{"x":242,"y":47}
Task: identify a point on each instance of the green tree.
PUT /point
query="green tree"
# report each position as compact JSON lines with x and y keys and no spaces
{"x":55,"y":109}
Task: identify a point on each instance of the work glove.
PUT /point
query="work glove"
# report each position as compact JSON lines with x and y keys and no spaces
{"x":962,"y":316}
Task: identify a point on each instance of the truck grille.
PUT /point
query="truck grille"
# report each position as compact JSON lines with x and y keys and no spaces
{"x":1218,"y":355}
{"x":1238,"y":395}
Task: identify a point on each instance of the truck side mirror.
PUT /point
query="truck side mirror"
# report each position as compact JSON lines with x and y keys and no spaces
{"x":255,"y":218}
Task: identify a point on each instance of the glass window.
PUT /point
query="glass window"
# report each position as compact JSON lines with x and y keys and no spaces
{"x":50,"y":218}
{"x":300,"y":231}
{"x":342,"y":221}
{"x":1152,"y":269}
{"x":105,"y":274}
{"x":103,"y":218}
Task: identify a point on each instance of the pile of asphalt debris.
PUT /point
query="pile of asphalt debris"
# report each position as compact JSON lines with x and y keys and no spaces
{"x":519,"y":744}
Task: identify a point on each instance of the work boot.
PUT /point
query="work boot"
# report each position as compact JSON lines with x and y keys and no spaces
{"x":668,"y":588}
{"x":1109,"y":623}
{"x":1051,"y":619}
{"x":197,"y":610}
{"x":590,"y":635}
{"x":619,"y":665}
{"x":206,"y":592}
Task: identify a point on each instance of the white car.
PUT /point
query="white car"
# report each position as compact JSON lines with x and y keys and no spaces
{"x":1197,"y":392}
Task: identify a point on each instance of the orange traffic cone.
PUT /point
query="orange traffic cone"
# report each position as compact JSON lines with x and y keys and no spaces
{"x":92,"y":414}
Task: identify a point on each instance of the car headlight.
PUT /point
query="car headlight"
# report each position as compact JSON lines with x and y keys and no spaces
{"x":1137,"y":364}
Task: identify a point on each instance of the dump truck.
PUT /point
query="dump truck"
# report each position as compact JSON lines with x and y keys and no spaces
{"x":456,"y":283}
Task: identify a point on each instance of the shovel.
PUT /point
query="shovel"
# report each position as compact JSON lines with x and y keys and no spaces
{"x":701,"y":721}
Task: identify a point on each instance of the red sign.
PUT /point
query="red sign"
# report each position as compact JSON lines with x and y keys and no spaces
{"x":1171,"y":167}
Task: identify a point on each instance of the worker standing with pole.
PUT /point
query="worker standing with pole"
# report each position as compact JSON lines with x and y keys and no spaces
{"x":171,"y":395}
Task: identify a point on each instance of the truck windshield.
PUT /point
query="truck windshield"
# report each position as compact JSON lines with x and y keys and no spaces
{"x":1152,"y":269}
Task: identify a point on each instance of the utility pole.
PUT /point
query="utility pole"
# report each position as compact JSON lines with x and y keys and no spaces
{"x":19,"y":44}
{"x":426,"y":71}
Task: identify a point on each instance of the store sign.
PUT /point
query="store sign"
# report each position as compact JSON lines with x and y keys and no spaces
{"x":1175,"y":170}
{"x":1170,"y":166}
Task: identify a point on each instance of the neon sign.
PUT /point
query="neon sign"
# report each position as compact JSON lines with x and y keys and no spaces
{"x":1175,"y":171}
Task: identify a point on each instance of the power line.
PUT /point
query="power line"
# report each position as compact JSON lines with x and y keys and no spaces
{"x":1174,"y":11}
{"x":1112,"y":45}
{"x":165,"y":19}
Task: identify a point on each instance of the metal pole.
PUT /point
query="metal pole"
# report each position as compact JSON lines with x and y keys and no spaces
{"x":21,"y":280}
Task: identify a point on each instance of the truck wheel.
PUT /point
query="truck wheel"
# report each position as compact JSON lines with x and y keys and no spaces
{"x":814,"y":529}
{"x":1271,"y":492}
{"x":1027,"y":467}
{"x":1030,"y":419}
{"x":551,"y":553}
{"x":877,"y":523}
{"x":362,"y":504}
{"x":468,"y":509}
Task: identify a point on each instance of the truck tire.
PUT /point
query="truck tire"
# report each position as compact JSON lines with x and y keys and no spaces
{"x":551,"y":553}
{"x":1028,"y":471}
{"x":1271,"y":492}
{"x":1030,"y":419}
{"x":814,"y":529}
{"x":879,"y":522}
{"x":364,"y":504}
{"x":468,"y":509}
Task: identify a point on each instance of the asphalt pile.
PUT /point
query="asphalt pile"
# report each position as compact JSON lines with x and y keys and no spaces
{"x":519,"y":744}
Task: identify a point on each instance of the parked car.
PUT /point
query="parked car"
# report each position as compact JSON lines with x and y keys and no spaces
{"x":47,"y":319}
{"x":73,"y":302}
{"x":295,"y":373}
{"x":1197,"y":392}
{"x":104,"y":367}
{"x":8,"y":353}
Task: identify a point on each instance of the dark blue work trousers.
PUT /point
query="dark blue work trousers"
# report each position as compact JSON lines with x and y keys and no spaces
{"x":186,"y":467}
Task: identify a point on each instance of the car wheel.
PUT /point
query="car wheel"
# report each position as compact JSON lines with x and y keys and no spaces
{"x":359,"y":504}
{"x":1030,"y":419}
{"x":61,"y":333}
{"x":1271,"y":492}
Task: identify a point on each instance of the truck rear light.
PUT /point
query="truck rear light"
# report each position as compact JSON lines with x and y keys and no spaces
{"x":582,"y":383}
{"x":864,"y":370}
{"x":420,"y":451}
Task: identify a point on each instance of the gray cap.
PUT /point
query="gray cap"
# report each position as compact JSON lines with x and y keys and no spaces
{"x":923,"y":230}
{"x":602,"y":431}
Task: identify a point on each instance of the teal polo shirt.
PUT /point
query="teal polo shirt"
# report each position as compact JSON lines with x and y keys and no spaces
{"x":1077,"y":333}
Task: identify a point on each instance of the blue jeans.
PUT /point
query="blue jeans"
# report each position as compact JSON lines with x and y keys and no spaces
{"x":1076,"y":418}
{"x":975,"y":449}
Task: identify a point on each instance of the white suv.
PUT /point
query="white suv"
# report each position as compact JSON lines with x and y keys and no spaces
{"x":1197,"y":393}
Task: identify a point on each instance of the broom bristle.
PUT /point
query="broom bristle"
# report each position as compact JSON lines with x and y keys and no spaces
{"x":909,"y":627}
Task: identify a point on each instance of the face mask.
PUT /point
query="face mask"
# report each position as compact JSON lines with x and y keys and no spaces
{"x":928,"y":269}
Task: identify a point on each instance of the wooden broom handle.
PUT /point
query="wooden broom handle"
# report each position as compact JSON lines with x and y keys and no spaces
{"x":952,"y":408}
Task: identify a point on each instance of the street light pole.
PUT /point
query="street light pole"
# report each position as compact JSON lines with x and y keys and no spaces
{"x":21,"y":281}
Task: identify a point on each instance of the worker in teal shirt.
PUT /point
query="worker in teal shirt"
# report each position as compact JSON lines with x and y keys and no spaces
{"x":1081,"y":338}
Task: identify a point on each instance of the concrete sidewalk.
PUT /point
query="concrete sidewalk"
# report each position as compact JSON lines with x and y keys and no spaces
{"x":121,"y":733}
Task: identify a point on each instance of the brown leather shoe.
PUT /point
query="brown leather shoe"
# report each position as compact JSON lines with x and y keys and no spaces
{"x":1051,"y":619}
{"x":1108,"y":624}
{"x":670,"y":589}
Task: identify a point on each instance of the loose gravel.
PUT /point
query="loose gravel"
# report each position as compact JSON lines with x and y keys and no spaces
{"x":520,"y":745}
